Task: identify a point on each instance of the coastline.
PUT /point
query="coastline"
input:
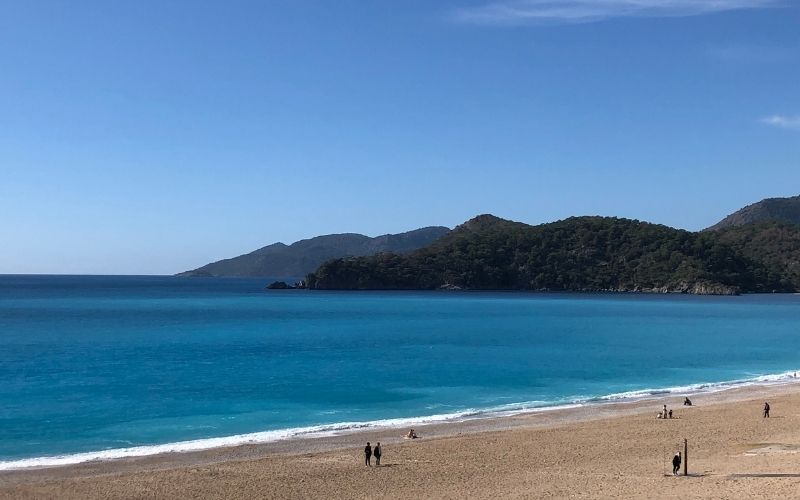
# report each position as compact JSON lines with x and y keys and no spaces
{"x":448,"y":434}
{"x":303,"y":435}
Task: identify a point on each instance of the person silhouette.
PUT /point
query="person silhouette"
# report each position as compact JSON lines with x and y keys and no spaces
{"x":377,"y":452}
{"x":676,"y":463}
{"x":367,"y":454}
{"x":766,"y":410}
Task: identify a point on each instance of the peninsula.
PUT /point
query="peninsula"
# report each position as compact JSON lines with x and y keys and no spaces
{"x":759,"y":253}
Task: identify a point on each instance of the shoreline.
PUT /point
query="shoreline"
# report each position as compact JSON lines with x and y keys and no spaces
{"x":342,"y":429}
{"x":391,"y":436}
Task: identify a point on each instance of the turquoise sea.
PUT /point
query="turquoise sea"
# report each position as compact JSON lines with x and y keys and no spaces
{"x":99,"y":367}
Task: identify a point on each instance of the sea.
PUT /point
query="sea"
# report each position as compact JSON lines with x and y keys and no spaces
{"x":100,"y":367}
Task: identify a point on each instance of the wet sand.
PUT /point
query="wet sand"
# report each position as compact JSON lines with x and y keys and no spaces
{"x":598,"y":451}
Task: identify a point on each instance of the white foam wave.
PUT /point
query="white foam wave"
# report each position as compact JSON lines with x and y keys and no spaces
{"x":348,"y":427}
{"x":220,"y":442}
{"x":703,"y":388}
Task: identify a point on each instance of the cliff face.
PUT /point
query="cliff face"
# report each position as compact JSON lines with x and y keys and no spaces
{"x":767,"y":210}
{"x":300,"y":258}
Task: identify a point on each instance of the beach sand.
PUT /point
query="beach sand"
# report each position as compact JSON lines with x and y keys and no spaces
{"x":600,"y":451}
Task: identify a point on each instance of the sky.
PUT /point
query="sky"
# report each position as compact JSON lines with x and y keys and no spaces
{"x":151,"y":137}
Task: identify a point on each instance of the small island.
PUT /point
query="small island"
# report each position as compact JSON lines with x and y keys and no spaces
{"x":282,"y":285}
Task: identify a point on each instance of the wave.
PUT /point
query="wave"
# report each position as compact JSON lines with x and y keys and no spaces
{"x":226,"y":441}
{"x":703,"y":388}
{"x":317,"y":431}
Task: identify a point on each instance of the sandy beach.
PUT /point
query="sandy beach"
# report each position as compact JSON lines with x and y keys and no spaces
{"x":599,"y":451}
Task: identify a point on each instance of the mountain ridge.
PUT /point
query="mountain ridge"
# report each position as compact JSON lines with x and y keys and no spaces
{"x":756,"y":248}
{"x":279,"y":260}
{"x":785,"y":209}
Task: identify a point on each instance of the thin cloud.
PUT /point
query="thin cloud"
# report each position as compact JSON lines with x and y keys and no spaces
{"x":782,"y":121}
{"x":516,"y":12}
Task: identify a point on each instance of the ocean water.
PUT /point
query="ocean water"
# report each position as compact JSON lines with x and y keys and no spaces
{"x":98,"y":367}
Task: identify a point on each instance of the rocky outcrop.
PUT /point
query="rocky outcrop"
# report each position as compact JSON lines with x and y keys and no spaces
{"x":699,"y":288}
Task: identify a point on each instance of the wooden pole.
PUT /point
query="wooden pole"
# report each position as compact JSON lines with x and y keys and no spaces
{"x":685,"y":458}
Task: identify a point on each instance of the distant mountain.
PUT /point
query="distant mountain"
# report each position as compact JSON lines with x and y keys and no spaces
{"x":577,"y":254}
{"x":768,"y":210}
{"x":298,"y":259}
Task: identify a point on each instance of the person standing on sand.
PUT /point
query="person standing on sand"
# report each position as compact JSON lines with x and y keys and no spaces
{"x":665,"y":412}
{"x":367,"y":454}
{"x":676,"y":463}
{"x":766,"y":410}
{"x":377,"y":452}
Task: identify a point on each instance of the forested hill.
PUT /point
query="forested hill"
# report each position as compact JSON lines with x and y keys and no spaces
{"x":575,"y":254}
{"x":775,"y":244}
{"x":767,"y":210}
{"x":298,"y":259}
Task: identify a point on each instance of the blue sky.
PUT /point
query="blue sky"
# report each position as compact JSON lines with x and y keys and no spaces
{"x":155,"y":136}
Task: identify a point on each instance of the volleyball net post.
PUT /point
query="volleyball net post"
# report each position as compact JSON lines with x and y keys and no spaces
{"x":685,"y":457}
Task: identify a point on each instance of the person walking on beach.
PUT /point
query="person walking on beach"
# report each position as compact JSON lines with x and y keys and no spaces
{"x":665,"y":412}
{"x":676,"y":463}
{"x":377,"y":452}
{"x":367,"y":454}
{"x":766,"y":410}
